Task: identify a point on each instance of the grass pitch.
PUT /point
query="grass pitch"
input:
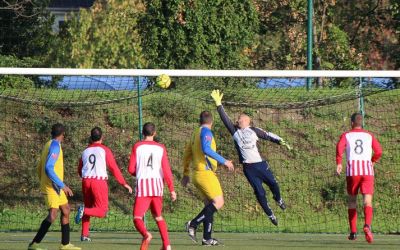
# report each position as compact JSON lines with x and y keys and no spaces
{"x":235,"y":241}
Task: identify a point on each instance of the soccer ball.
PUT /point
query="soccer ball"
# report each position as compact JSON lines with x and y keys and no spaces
{"x":163,"y":81}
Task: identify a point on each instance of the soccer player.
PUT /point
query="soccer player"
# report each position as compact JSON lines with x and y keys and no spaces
{"x":92,"y":168}
{"x":200,"y":151}
{"x":149,"y":163}
{"x":359,"y":145}
{"x":50,"y":170}
{"x":255,"y":168}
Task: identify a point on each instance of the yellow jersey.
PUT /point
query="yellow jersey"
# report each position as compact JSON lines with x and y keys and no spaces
{"x":50,"y":168}
{"x":200,"y":151}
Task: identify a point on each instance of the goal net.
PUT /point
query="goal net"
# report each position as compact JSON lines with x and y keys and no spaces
{"x":119,"y":101}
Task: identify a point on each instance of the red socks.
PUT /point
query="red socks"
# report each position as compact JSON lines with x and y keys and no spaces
{"x":353,"y":219}
{"x":139,"y":225}
{"x":368,"y":215}
{"x":162,"y":227}
{"x":85,"y":225}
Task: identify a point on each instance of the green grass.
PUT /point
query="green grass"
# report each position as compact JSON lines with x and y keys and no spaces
{"x":234,"y":241}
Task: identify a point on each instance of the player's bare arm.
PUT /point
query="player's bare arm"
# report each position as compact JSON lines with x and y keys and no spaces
{"x":339,"y":169}
{"x":173,"y":196}
{"x":229,"y":165}
{"x":129,"y":188}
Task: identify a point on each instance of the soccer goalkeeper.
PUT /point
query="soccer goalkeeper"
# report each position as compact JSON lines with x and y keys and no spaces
{"x":255,"y":168}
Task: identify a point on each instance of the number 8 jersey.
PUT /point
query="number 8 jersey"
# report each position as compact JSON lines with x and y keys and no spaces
{"x":359,"y":145}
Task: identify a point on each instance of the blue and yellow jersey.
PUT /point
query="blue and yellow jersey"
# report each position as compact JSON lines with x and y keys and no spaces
{"x":50,"y":168}
{"x":200,"y":151}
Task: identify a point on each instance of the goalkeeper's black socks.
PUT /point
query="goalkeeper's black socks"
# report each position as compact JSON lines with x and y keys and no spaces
{"x":65,"y":234}
{"x":207,"y":211}
{"x":44,"y":227}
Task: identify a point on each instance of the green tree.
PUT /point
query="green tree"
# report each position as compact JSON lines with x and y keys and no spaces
{"x":25,"y":29}
{"x":18,"y":81}
{"x":281,"y":42}
{"x":283,"y":36}
{"x":105,"y":36}
{"x":208,"y":34}
{"x":395,"y":15}
{"x":371,"y":28}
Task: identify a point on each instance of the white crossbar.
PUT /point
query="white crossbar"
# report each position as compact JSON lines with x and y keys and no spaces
{"x":201,"y":73}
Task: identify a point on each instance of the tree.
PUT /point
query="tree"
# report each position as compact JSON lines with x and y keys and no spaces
{"x":25,"y":29}
{"x":105,"y":36}
{"x":281,"y":42}
{"x":395,"y":15}
{"x":283,"y":37}
{"x":208,"y":34}
{"x":371,"y":28}
{"x":18,"y":81}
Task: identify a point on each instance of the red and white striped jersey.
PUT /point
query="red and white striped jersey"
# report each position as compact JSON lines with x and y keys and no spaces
{"x":94,"y":162}
{"x":149,"y":163}
{"x":359,"y":145}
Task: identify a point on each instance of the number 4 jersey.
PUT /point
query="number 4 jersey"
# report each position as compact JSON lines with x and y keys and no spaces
{"x":95,"y":160}
{"x":359,"y":145}
{"x":149,"y":163}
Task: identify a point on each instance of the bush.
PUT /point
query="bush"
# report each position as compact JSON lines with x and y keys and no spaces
{"x":17,"y":81}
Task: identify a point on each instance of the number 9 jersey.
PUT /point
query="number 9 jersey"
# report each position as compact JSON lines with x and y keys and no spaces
{"x":95,"y":160}
{"x":359,"y":145}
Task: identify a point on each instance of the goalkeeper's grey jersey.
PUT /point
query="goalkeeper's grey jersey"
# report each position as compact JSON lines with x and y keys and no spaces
{"x":246,"y":139}
{"x":246,"y":143}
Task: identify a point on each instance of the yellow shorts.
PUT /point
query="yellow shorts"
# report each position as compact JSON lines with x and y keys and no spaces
{"x":53,"y":200}
{"x":207,"y":183}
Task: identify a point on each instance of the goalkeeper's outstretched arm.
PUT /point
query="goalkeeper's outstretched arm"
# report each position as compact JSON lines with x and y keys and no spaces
{"x":225,"y":119}
{"x":217,"y":96}
{"x":262,"y":134}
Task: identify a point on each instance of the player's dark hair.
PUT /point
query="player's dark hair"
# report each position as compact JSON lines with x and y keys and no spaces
{"x":149,"y":129}
{"x":206,"y":117}
{"x":96,"y":134}
{"x":357,"y":119}
{"x":57,"y":130}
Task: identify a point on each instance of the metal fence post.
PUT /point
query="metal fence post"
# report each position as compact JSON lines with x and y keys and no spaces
{"x":361,"y":100}
{"x":309,"y":39}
